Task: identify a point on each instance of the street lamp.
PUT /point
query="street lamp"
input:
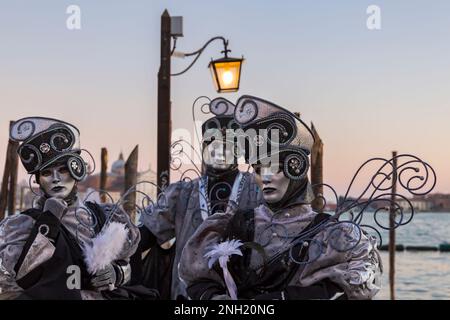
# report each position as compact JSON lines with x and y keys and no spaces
{"x":226,"y":71}
{"x":226,"y":74}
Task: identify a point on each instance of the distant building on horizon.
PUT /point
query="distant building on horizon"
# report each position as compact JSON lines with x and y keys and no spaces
{"x":420,"y":204}
{"x":115,"y":183}
{"x":440,"y":202}
{"x":436,"y":202}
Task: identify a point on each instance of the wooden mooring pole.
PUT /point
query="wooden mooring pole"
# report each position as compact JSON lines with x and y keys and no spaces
{"x":4,"y":189}
{"x":14,"y":166}
{"x":392,"y":228}
{"x":131,"y":169}
{"x":9,"y":182}
{"x":103,"y":174}
{"x":317,"y":170}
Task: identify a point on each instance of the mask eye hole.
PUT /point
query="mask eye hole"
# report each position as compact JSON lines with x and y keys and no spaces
{"x":266,"y":169}
{"x":280,"y":168}
{"x":63,"y":170}
{"x":46,"y":173}
{"x":275,"y":168}
{"x":257,"y":169}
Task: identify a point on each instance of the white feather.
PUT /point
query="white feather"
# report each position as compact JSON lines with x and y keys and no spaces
{"x":223,"y":251}
{"x":105,"y":247}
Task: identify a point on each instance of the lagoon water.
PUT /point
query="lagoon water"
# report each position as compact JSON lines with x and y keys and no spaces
{"x":419,"y":275}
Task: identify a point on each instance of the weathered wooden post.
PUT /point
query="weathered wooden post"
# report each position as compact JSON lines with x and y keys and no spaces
{"x":103,"y":174}
{"x":9,"y":182}
{"x":131,"y":169}
{"x":14,"y":166}
{"x":4,"y":189}
{"x":317,"y":170}
{"x":392,"y":227}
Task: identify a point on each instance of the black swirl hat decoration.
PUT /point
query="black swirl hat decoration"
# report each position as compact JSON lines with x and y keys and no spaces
{"x":257,"y":113}
{"x":294,"y":139}
{"x":45,"y":141}
{"x":223,"y":120}
{"x":223,"y":111}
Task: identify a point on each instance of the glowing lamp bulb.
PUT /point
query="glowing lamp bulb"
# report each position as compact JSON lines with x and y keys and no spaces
{"x":227,"y":77}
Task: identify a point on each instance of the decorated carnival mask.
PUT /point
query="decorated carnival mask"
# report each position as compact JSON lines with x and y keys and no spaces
{"x":50,"y":149}
{"x":56,"y":181}
{"x":278,"y":145}
{"x":218,"y":138}
{"x":273,"y":185}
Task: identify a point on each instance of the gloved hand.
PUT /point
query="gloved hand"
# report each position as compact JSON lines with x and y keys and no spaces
{"x":105,"y":279}
{"x":56,"y":206}
{"x":114,"y":275}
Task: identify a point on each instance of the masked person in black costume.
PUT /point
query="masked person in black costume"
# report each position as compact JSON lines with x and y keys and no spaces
{"x":185,"y":204}
{"x":61,"y":248}
{"x":282,"y":249}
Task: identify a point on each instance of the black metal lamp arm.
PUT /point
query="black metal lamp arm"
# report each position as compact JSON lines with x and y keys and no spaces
{"x":200,"y":51}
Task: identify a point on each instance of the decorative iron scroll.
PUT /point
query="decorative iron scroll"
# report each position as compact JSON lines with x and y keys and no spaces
{"x":414,"y":177}
{"x":346,"y":227}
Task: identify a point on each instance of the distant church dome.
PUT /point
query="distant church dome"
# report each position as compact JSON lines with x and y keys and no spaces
{"x":118,"y":166}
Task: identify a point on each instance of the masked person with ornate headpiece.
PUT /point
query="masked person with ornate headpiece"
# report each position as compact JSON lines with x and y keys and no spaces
{"x":185,"y":204}
{"x":281,"y":249}
{"x":61,"y":248}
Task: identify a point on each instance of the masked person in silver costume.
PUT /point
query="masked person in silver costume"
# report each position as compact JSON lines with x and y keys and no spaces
{"x":282,"y":249}
{"x":187,"y":203}
{"x":61,"y":248}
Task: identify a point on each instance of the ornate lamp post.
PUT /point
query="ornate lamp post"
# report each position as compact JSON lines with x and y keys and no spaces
{"x":225,"y":71}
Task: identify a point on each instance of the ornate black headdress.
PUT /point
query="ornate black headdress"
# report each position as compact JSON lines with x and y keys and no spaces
{"x":295,"y":139}
{"x":45,"y":141}
{"x":223,"y":119}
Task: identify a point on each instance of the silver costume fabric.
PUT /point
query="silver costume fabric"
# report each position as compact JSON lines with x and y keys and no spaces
{"x":182,"y":216}
{"x":15,"y":230}
{"x":357,"y":271}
